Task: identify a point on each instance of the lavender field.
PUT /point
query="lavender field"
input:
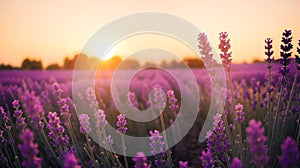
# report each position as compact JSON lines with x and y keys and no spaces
{"x":43,"y":126}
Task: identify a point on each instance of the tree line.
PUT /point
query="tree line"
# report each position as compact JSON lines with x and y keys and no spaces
{"x":85,"y":62}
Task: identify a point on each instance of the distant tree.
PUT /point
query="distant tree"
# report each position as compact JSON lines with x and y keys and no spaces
{"x":28,"y":64}
{"x":129,"y":63}
{"x":53,"y":67}
{"x":194,"y":62}
{"x":7,"y":67}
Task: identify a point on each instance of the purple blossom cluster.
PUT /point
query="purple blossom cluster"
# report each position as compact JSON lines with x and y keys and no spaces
{"x":140,"y":161}
{"x":56,"y":133}
{"x":239,"y":114}
{"x":64,"y":110}
{"x":159,"y":98}
{"x":29,"y":150}
{"x":224,"y":46}
{"x":256,"y":140}
{"x":121,"y":124}
{"x":290,"y":154}
{"x":157,"y":146}
{"x":71,"y":161}
{"x":20,"y":120}
{"x":172,"y":100}
{"x":84,"y":120}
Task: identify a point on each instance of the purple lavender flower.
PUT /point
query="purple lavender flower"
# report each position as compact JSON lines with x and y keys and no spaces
{"x":217,"y":141}
{"x":257,"y":139}
{"x":57,"y":89}
{"x":285,"y":52}
{"x":64,"y":111}
{"x":172,"y":100}
{"x":100,"y":118}
{"x":3,"y":116}
{"x":290,"y":153}
{"x":239,"y":114}
{"x":269,"y":52}
{"x":20,"y":121}
{"x":207,"y":159}
{"x":3,"y":140}
{"x":71,"y":161}
{"x":56,"y":133}
{"x":157,"y":143}
{"x":132,"y":98}
{"x":297,"y":57}
{"x":205,"y":51}
{"x":33,"y":108}
{"x":183,"y":164}
{"x":109,"y":140}
{"x":224,"y":46}
{"x":91,"y":97}
{"x":159,"y":99}
{"x":121,"y":124}
{"x":29,"y":150}
{"x":140,"y":161}
{"x":236,"y":163}
{"x":84,"y":123}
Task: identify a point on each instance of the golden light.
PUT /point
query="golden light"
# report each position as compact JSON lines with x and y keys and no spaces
{"x":108,"y":55}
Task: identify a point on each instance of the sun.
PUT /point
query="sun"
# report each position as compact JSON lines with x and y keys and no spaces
{"x":108,"y":55}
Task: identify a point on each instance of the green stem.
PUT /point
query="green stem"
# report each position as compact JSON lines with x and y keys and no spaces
{"x":289,"y":105}
{"x":162,"y":122}
{"x":124,"y":150}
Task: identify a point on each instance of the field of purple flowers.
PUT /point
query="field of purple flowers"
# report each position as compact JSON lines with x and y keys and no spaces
{"x":258,"y":127}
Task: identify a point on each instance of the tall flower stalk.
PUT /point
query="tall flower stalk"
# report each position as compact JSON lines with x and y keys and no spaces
{"x":160,"y":104}
{"x":121,"y":124}
{"x":297,"y":59}
{"x":256,"y":140}
{"x":269,"y":52}
{"x":29,"y":150}
{"x":285,"y":54}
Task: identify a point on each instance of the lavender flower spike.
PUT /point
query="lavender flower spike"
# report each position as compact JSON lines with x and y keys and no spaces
{"x":207,"y":159}
{"x":285,"y":52}
{"x":239,"y":114}
{"x":3,"y":116}
{"x":56,"y":133}
{"x":159,"y":99}
{"x":205,"y":50}
{"x":29,"y":150}
{"x":257,"y":139}
{"x":269,"y":52}
{"x":172,"y":101}
{"x":20,"y":120}
{"x":71,"y":161}
{"x":183,"y":164}
{"x":297,"y":57}
{"x":100,"y":118}
{"x":224,"y":46}
{"x":121,"y":123}
{"x":236,"y":163}
{"x":157,"y":143}
{"x":290,"y":153}
{"x":140,"y":161}
{"x":84,"y":123}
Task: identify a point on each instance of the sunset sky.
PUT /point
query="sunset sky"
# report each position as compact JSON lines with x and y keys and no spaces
{"x":52,"y":30}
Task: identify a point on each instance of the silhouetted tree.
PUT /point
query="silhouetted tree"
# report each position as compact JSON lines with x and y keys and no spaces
{"x":53,"y":67}
{"x":28,"y":64}
{"x":194,"y":63}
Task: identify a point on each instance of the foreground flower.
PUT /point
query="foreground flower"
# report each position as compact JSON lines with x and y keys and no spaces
{"x":224,"y":46}
{"x":236,"y":163}
{"x":159,"y":98}
{"x":157,"y":146}
{"x":257,"y":139}
{"x":172,"y":101}
{"x":183,"y":164}
{"x":56,"y":133}
{"x":3,"y":116}
{"x":205,"y":51}
{"x":84,"y":123}
{"x":140,"y":161}
{"x":297,"y":57}
{"x":239,"y":114}
{"x":29,"y":150}
{"x":290,"y":153}
{"x":285,"y":52}
{"x":100,"y":118}
{"x":71,"y":161}
{"x":207,"y":159}
{"x":269,"y":52}
{"x":20,"y":120}
{"x":121,"y":124}
{"x":33,"y":108}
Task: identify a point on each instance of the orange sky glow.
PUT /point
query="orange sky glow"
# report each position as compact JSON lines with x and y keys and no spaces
{"x":52,"y":30}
